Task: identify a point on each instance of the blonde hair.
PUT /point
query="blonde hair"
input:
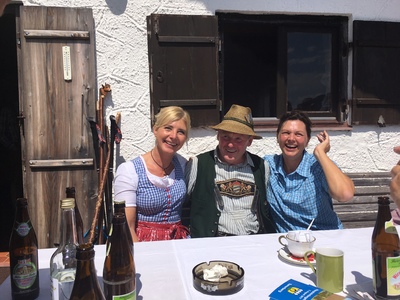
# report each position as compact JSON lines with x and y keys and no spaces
{"x":171,"y":114}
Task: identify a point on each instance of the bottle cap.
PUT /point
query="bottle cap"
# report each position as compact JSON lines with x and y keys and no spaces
{"x":70,"y":189}
{"x":383,"y":200}
{"x":22,"y":201}
{"x":85,"y":251}
{"x":68,"y":203}
{"x":119,"y":201}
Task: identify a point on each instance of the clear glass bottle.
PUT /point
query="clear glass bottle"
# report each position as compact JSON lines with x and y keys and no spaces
{"x":63,"y":260}
{"x":86,"y":285}
{"x":119,"y":268}
{"x":385,"y":253}
{"x":24,"y":268}
{"x":70,"y":193}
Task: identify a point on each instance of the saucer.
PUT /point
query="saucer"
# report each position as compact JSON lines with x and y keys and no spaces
{"x":285,"y":255}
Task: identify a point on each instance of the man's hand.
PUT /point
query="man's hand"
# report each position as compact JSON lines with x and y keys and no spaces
{"x":395,"y":183}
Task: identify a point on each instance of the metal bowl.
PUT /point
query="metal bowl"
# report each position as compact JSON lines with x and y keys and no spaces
{"x":227,"y":285}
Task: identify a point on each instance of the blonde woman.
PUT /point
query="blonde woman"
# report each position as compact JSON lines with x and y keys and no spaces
{"x":153,"y":185}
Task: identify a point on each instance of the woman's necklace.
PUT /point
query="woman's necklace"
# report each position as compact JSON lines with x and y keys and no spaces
{"x":164,"y":169}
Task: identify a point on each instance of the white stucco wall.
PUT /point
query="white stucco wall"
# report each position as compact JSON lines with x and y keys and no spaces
{"x":121,"y":44}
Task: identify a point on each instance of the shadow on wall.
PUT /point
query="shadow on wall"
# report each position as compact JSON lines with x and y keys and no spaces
{"x":117,"y":7}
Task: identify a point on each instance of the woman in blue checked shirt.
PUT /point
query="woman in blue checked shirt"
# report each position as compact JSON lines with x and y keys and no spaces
{"x":153,"y":184}
{"x":301,"y":185}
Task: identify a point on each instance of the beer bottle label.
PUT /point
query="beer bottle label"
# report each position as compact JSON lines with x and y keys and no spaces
{"x":62,"y":284}
{"x":390,"y":227}
{"x":24,"y":273}
{"x":393,"y":276}
{"x":23,"y":228}
{"x":129,"y":296}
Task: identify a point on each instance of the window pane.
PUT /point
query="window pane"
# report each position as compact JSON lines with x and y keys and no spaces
{"x":309,"y":71}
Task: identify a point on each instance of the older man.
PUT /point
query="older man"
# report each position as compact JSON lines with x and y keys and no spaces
{"x":227,"y":186}
{"x":3,"y":4}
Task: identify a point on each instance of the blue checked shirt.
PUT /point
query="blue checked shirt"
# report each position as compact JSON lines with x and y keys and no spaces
{"x":299,"y":197}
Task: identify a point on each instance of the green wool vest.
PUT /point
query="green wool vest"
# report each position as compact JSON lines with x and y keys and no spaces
{"x":204,"y":215}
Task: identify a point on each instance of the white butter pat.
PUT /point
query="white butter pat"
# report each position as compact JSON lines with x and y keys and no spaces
{"x":215,"y":273}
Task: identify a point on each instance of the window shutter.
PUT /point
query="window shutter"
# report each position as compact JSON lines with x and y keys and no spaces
{"x":376,"y":73}
{"x":183,"y":61}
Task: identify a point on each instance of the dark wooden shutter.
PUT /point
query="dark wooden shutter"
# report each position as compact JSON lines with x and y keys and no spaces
{"x":376,"y":73}
{"x":56,"y":138}
{"x":183,"y":61}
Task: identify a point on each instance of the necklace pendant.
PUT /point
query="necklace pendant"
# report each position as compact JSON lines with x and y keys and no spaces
{"x":164,"y":169}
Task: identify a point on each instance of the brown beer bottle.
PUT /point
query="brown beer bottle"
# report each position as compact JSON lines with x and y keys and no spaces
{"x":86,"y":285}
{"x":24,"y":268}
{"x":385,"y":254}
{"x":119,"y":267}
{"x":70,"y":192}
{"x":119,"y":207}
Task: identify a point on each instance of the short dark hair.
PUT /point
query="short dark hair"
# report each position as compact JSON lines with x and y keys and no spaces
{"x":295,"y":115}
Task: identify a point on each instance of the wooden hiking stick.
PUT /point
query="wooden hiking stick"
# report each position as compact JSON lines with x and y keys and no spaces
{"x":106,"y":88}
{"x":99,"y":202}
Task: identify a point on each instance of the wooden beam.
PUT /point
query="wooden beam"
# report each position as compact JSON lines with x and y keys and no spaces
{"x":56,"y":163}
{"x":56,"y":34}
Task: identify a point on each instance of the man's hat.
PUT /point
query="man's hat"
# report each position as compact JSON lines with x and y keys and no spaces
{"x":238,"y":120}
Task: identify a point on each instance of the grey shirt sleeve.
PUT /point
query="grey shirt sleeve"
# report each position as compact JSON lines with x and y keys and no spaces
{"x":191,"y":174}
{"x":267,"y":173}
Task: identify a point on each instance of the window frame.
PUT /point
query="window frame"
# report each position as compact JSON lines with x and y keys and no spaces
{"x":282,"y":87}
{"x":338,"y":27}
{"x":347,"y":105}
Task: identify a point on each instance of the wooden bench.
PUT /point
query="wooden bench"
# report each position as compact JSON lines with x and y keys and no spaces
{"x":359,"y":212}
{"x":362,"y":210}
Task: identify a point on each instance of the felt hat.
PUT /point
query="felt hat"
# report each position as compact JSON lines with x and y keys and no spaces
{"x":238,"y":120}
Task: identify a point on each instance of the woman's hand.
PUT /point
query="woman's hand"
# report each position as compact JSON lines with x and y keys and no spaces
{"x":341,"y":187}
{"x":324,"y":144}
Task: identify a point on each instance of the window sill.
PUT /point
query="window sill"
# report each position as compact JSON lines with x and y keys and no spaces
{"x":271,"y":125}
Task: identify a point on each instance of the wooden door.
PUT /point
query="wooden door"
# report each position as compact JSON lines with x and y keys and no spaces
{"x":56,"y":58}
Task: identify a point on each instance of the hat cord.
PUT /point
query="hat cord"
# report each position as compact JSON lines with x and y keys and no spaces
{"x":240,"y":121}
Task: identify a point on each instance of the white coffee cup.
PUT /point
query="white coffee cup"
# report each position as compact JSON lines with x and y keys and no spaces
{"x":298,"y":242}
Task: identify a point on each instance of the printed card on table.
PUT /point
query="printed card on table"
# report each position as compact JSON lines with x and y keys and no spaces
{"x":293,"y":289}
